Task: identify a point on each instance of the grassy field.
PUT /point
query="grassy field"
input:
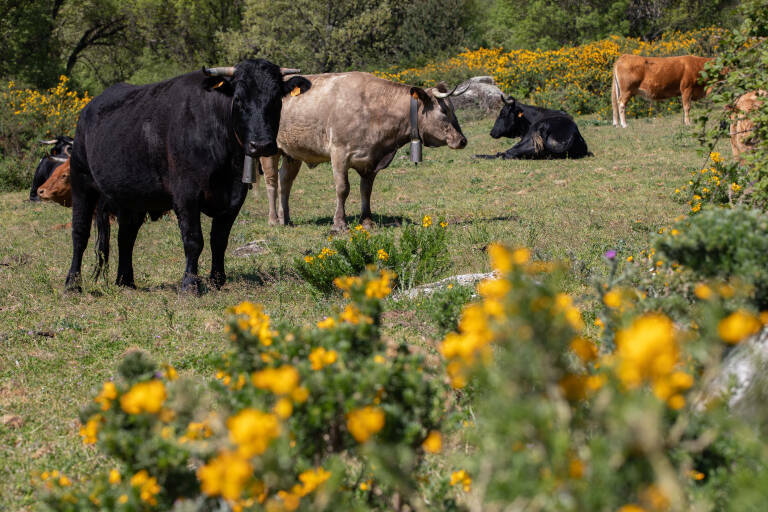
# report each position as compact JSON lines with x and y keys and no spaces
{"x":55,"y":349}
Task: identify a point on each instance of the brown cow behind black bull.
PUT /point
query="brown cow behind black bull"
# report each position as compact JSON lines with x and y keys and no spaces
{"x":354,"y":120}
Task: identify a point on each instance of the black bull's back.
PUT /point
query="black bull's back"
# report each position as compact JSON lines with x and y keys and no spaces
{"x":143,"y":146}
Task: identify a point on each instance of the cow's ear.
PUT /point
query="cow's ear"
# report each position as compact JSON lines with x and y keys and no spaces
{"x":220,"y":84}
{"x":296,"y":85}
{"x":442,"y":87}
{"x":421,"y":94}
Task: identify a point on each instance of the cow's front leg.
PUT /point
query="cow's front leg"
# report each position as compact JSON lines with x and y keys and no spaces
{"x":220,"y":228}
{"x":188,"y":214}
{"x":366,"y":187}
{"x":83,"y":205}
{"x":129,"y":224}
{"x":269,"y":165}
{"x":341,"y":180}
{"x":288,"y":173}
{"x":523,"y":149}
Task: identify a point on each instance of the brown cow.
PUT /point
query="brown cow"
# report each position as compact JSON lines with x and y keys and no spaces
{"x":742,"y":127}
{"x":57,"y":187}
{"x":356,"y":120}
{"x":656,"y":78}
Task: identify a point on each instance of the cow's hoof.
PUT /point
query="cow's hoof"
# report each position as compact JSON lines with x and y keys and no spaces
{"x":191,"y":284}
{"x":339,"y":228}
{"x":125,"y":282}
{"x":368,"y":224}
{"x":217,"y":279}
{"x":72,"y":284}
{"x":274,"y":222}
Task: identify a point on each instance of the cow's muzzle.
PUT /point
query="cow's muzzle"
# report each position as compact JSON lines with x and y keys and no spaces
{"x":256,"y":149}
{"x":459,"y":143}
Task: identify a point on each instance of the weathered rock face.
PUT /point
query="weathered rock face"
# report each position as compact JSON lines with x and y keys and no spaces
{"x":482,"y":94}
{"x":742,"y":377}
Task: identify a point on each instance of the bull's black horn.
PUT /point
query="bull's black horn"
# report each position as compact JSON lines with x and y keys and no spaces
{"x":289,"y":71}
{"x":508,"y":101}
{"x":52,"y":141}
{"x":226,"y":71}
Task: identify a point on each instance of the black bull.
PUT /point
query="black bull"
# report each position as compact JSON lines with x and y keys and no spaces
{"x":180,"y":145}
{"x":57,"y":156}
{"x":544,"y":133}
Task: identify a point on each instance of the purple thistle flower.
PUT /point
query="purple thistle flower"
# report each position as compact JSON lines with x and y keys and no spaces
{"x":610,"y":255}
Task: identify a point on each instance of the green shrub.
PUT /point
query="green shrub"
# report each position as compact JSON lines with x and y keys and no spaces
{"x":444,"y":306}
{"x":721,"y":184}
{"x":419,"y":255}
{"x":722,"y":243}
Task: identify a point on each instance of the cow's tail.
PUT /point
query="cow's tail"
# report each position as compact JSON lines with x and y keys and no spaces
{"x":615,"y":95}
{"x":101,"y":219}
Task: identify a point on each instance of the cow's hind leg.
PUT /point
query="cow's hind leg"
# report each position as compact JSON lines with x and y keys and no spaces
{"x":129,"y":222}
{"x":288,"y":173}
{"x":269,"y":165}
{"x":523,"y":149}
{"x":366,"y":187}
{"x":83,"y":205}
{"x":341,"y":181}
{"x":188,"y":214}
{"x":686,"y":100}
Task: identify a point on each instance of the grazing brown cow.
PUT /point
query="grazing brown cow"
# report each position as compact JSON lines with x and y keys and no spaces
{"x":742,"y":127}
{"x":356,"y":120}
{"x":656,"y":78}
{"x":57,"y":187}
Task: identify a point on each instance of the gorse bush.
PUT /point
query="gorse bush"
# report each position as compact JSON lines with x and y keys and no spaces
{"x":312,"y":418}
{"x":722,"y":243}
{"x":420,"y":254}
{"x":721,"y":184}
{"x":577,"y":79}
{"x":27,"y":115}
{"x":564,"y":423}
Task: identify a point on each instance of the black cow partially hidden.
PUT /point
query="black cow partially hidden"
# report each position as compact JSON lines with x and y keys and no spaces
{"x":55,"y":157}
{"x":545,"y":133}
{"x":175,"y":145}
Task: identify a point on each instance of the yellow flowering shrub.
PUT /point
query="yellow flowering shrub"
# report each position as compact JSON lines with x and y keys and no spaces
{"x":577,"y":79}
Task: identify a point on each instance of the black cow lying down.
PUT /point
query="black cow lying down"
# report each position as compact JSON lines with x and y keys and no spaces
{"x":545,"y":133}
{"x":55,"y":157}
{"x":178,"y":144}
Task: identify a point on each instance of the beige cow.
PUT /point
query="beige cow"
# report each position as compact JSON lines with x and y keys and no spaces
{"x":742,"y":128}
{"x":354,"y":120}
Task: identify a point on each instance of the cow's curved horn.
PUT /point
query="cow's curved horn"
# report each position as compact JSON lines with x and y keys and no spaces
{"x":469,"y":84}
{"x":507,"y":100}
{"x":226,"y":71}
{"x":52,"y":141}
{"x":289,"y":71}
{"x":58,"y":159}
{"x":439,"y":94}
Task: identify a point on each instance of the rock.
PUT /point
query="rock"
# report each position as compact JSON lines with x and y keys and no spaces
{"x":482,"y":95}
{"x":251,"y":248}
{"x":462,"y":279}
{"x":742,"y":376}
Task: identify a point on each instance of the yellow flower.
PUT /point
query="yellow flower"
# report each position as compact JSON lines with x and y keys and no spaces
{"x":148,"y":486}
{"x":253,"y":319}
{"x":433,"y":443}
{"x":252,"y":431}
{"x":226,"y":475}
{"x":283,"y":408}
{"x":380,"y":288}
{"x":64,"y":481}
{"x":735,"y":187}
{"x":170,"y":373}
{"x":90,"y":432}
{"x":382,"y":255}
{"x":320,"y":358}
{"x":114,"y":476}
{"x":311,"y":480}
{"x":612,"y":299}
{"x":493,"y":288}
{"x":300,"y":395}
{"x":631,"y":507}
{"x":584,"y":349}
{"x":738,"y":326}
{"x":461,"y":477}
{"x":309,"y":259}
{"x":426,"y":221}
{"x":575,"y":468}
{"x":715,"y":156}
{"x":107,"y":394}
{"x":147,"y":396}
{"x":280,"y":381}
{"x":501,"y":258}
{"x":703,"y":291}
{"x":123,"y":499}
{"x":327,"y":323}
{"x":365,"y":422}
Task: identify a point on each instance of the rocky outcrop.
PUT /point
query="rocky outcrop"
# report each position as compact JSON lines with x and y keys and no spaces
{"x":483,"y":94}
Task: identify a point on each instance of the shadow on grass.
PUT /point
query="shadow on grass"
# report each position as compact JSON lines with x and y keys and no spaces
{"x":379,"y":220}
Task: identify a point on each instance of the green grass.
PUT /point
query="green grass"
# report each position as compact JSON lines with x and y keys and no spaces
{"x":56,"y":349}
